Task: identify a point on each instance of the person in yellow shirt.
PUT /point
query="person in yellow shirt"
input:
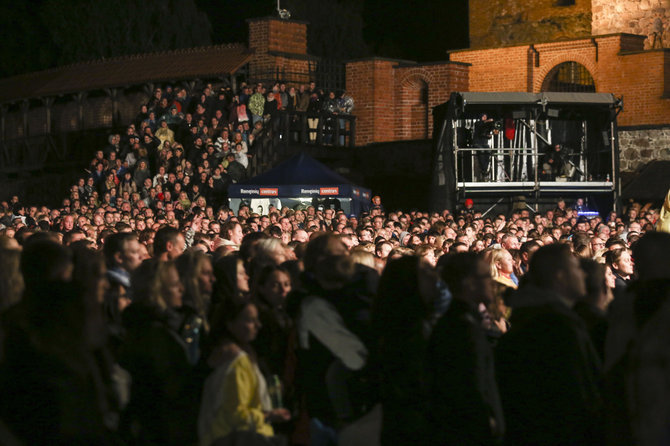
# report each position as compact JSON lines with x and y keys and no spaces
{"x":235,"y":396}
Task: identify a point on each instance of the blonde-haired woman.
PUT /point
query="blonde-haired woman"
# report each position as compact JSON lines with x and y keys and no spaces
{"x":163,"y":404}
{"x":502,"y":266}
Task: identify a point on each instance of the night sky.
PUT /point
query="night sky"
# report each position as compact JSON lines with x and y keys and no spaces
{"x":420,"y":30}
{"x":44,"y":36}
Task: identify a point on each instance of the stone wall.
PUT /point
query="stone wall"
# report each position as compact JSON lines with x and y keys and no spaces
{"x":639,"y":147}
{"x":643,"y":17}
{"x":509,"y":22}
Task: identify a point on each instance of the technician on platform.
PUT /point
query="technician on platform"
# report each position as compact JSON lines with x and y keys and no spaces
{"x":484,"y":129}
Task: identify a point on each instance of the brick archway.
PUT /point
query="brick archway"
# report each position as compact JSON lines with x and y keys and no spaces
{"x":569,"y":76}
{"x":413,"y":107}
{"x":548,"y":68}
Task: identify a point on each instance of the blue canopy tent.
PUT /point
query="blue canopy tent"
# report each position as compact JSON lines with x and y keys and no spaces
{"x":300,"y":180}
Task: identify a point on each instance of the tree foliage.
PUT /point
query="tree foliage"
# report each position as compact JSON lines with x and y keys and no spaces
{"x":26,"y":45}
{"x":40,"y":34}
{"x":90,"y":29}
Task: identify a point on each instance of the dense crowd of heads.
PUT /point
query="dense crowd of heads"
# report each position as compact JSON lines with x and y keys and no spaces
{"x":143,"y":311}
{"x":181,"y":153}
{"x":148,"y":318}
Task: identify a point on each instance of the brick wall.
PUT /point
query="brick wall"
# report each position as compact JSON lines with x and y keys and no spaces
{"x":268,"y":36}
{"x":616,"y":63}
{"x":287,"y":36}
{"x":394,"y":99}
{"x":505,"y":22}
{"x":292,"y":67}
{"x":498,"y":69}
{"x":358,"y":75}
{"x":370,"y":83}
{"x":273,"y":34}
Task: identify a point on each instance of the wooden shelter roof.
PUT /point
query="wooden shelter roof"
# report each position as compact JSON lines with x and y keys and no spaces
{"x":166,"y":66}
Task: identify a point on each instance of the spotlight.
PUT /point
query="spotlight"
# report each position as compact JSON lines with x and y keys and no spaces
{"x":284,"y":14}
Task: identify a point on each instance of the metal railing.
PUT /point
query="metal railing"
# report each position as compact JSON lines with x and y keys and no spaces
{"x":290,"y":129}
{"x":32,"y":153}
{"x":327,"y":74}
{"x":321,"y":129}
{"x":524,"y":157}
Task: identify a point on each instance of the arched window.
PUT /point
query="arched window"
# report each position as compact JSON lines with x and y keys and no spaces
{"x":569,"y":76}
{"x":413,"y":111}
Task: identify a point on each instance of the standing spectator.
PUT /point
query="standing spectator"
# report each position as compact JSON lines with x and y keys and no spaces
{"x":646,"y":367}
{"x":257,"y":105}
{"x":313,"y":116}
{"x":465,"y":404}
{"x":197,"y":276}
{"x":502,"y":267}
{"x":271,"y":111}
{"x":303,"y":99}
{"x":345,"y":106}
{"x":271,"y":287}
{"x":123,"y":256}
{"x":234,"y":168}
{"x":592,"y":307}
{"x":622,"y":265}
{"x":329,"y":109}
{"x":163,"y":404}
{"x":548,"y":369}
{"x":241,"y":155}
{"x":400,"y":317}
{"x":169,"y":243}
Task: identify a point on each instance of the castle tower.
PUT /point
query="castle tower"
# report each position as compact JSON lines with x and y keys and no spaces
{"x":650,"y":18}
{"x":508,"y":22}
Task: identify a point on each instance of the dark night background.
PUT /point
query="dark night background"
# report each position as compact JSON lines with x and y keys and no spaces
{"x":39,"y":34}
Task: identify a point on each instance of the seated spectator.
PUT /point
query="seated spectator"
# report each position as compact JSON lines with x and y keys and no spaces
{"x":235,"y":170}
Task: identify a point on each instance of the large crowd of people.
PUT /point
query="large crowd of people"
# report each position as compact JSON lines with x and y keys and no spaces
{"x":309,"y":325}
{"x":144,"y":311}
